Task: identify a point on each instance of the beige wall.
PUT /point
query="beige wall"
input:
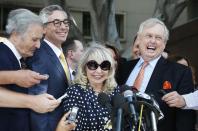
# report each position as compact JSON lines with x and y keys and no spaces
{"x":31,"y":3}
{"x":136,"y":11}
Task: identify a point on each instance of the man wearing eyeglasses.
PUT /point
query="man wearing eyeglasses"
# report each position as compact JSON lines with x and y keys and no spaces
{"x":153,"y":74}
{"x":47,"y":61}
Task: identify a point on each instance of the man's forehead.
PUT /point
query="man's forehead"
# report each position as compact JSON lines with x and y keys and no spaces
{"x":58,"y":14}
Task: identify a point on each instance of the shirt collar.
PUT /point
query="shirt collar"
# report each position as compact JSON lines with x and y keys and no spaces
{"x":13,"y":49}
{"x":56,"y":50}
{"x":151,"y":63}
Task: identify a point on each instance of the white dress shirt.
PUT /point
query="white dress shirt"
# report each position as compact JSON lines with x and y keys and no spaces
{"x":56,"y":50}
{"x":191,"y":100}
{"x":147,"y":74}
{"x":13,"y":49}
{"x":71,"y":73}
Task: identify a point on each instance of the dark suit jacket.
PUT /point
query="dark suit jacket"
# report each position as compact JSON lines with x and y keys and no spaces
{"x":180,"y":78}
{"x":12,"y":119}
{"x":45,"y":61}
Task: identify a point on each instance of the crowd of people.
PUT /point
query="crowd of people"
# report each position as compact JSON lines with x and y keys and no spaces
{"x":39,"y":65}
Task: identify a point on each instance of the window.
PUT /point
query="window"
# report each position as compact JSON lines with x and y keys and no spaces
{"x":86,"y":24}
{"x":120,"y":24}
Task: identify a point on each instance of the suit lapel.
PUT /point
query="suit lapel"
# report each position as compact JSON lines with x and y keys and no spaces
{"x":54,"y":60}
{"x":157,"y":76}
{"x":124,"y":70}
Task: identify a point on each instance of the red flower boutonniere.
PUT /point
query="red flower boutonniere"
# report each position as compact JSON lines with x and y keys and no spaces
{"x":167,"y":85}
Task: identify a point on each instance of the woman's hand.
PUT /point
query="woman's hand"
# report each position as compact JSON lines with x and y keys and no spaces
{"x":63,"y":124}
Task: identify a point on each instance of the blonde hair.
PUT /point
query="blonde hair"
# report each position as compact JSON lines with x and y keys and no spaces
{"x":99,"y":53}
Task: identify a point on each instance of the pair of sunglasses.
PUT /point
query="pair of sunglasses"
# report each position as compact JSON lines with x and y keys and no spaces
{"x":93,"y":65}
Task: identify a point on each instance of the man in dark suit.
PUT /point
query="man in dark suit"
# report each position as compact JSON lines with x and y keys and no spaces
{"x":47,"y":61}
{"x":25,"y":30}
{"x":159,"y":74}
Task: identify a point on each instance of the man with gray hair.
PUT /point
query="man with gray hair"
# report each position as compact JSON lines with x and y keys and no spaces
{"x":151,"y":73}
{"x":25,"y":30}
{"x":49,"y":59}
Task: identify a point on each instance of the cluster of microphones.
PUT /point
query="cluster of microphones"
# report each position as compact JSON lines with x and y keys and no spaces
{"x":126,"y":113}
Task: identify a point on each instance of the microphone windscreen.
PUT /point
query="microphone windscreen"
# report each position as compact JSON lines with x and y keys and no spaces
{"x":134,"y":89}
{"x":118,"y":101}
{"x":123,"y":88}
{"x":103,"y":99}
{"x":128,"y":93}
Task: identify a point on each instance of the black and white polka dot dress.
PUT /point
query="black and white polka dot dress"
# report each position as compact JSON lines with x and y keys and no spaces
{"x":91,"y":115}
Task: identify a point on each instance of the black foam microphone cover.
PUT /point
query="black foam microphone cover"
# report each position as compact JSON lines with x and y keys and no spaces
{"x":123,"y":88}
{"x":103,"y":98}
{"x":118,"y":103}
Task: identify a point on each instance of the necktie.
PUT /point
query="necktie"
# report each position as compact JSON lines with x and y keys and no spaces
{"x":140,"y":76}
{"x":65,"y":66}
{"x":23,"y":64}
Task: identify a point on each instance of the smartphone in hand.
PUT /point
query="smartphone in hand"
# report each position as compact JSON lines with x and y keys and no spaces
{"x":72,"y":115}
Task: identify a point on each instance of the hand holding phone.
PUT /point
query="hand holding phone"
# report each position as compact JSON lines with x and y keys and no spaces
{"x":63,"y":96}
{"x":46,"y":76}
{"x":72,"y":115}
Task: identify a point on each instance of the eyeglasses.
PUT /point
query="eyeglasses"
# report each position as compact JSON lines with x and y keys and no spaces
{"x":157,"y":37}
{"x":93,"y":65}
{"x":57,"y":22}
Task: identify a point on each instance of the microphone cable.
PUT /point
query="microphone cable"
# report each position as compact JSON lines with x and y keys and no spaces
{"x":140,"y":117}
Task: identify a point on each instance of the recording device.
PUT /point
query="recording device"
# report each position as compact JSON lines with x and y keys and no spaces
{"x":118,"y":102}
{"x":104,"y":100}
{"x":46,"y":75}
{"x":153,"y":121}
{"x":162,"y":92}
{"x":123,"y":88}
{"x":158,"y":112}
{"x":128,"y":94}
{"x":143,"y":95}
{"x":143,"y":98}
{"x":72,"y":115}
{"x":63,"y":96}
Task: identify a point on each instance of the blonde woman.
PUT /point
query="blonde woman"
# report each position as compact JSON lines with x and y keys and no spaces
{"x":95,"y":75}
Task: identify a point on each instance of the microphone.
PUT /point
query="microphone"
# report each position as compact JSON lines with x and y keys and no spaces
{"x":143,"y":95}
{"x":118,"y":102}
{"x":123,"y":88}
{"x":128,"y":94}
{"x":153,"y":121}
{"x":159,"y":113}
{"x":162,"y":92}
{"x":104,"y":100}
{"x":152,"y":115}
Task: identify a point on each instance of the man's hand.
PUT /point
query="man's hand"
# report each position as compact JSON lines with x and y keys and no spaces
{"x":44,"y":103}
{"x":63,"y":125}
{"x":28,"y":78}
{"x":173,"y":99}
